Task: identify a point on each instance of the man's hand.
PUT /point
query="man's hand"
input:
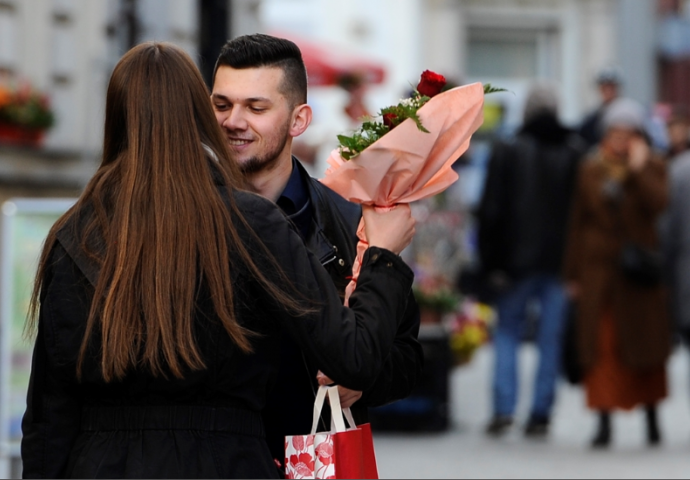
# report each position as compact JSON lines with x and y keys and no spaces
{"x":392,"y":230}
{"x":347,"y":397}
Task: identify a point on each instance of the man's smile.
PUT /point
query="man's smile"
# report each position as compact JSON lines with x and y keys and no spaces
{"x":238,"y":142}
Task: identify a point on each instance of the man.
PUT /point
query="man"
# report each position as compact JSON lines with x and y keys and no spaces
{"x":260,"y":100}
{"x":522,"y":231}
{"x":609,"y":81}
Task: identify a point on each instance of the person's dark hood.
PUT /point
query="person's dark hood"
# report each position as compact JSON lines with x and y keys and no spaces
{"x":546,"y":128}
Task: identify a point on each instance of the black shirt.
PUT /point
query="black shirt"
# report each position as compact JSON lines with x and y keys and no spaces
{"x":295,"y":202}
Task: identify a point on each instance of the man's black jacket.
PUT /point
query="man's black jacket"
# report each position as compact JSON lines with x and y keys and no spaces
{"x":333,"y":240}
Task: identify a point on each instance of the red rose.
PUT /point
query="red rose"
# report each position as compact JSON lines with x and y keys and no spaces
{"x":388,"y":120}
{"x":431,"y":83}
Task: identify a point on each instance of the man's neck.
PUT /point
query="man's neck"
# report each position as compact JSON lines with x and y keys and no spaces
{"x":271,"y":183}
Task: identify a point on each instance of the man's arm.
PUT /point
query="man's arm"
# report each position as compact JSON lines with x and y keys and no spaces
{"x":404,"y":364}
{"x":400,"y":371}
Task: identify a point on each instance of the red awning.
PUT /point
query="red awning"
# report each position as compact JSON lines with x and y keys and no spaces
{"x":327,"y":65}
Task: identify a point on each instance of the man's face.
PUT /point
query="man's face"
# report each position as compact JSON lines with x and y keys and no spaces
{"x":608,"y":92}
{"x":254,"y":115}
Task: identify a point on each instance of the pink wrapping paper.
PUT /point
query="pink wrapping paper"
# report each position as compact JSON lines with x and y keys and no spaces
{"x":407,"y":164}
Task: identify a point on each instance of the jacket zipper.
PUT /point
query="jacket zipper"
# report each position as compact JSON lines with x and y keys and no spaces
{"x":330,"y":260}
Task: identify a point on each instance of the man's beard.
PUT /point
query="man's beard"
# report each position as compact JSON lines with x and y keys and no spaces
{"x":267,"y":161}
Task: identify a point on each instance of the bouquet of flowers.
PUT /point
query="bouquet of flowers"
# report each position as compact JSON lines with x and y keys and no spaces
{"x":469,"y":330}
{"x":435,"y":294}
{"x":25,"y":107}
{"x":408,"y":154}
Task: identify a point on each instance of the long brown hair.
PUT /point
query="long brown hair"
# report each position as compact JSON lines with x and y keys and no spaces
{"x":160,"y":218}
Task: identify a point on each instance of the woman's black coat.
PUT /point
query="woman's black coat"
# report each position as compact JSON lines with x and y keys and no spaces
{"x":208,"y":424}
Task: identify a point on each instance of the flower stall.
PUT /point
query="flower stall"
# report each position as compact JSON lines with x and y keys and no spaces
{"x":25,"y":115}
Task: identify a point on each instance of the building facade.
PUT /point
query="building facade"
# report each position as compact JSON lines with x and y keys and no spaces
{"x":68,"y":48}
{"x":508,"y":42}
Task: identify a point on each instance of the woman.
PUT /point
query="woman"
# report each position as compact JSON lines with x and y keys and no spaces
{"x":162,"y":294}
{"x":613,"y":270}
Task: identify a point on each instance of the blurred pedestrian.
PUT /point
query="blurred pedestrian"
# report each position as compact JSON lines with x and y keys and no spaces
{"x":522,"y":229}
{"x":678,"y":132}
{"x":609,"y":81}
{"x":614,"y":270}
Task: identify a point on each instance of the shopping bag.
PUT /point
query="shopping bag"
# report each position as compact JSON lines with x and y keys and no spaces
{"x":370,"y":470}
{"x":340,"y":453}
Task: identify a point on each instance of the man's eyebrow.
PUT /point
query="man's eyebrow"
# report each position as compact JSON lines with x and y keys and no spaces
{"x":258,"y":100}
{"x":218,"y":96}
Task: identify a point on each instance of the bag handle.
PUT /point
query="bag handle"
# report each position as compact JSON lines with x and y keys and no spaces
{"x":318,"y":406}
{"x":337,"y":412}
{"x":337,"y":422}
{"x":348,"y":416}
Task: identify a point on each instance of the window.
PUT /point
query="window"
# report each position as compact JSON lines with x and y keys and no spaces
{"x":512,"y":53}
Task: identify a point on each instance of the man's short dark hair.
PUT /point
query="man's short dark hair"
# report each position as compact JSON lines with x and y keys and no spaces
{"x":259,"y":50}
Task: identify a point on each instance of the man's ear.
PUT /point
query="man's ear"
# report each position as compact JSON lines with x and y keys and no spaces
{"x":301,"y":119}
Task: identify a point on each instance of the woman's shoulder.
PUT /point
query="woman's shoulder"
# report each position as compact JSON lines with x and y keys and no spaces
{"x":590,"y":167}
{"x":249,"y":202}
{"x":256,"y":209}
{"x":264,"y":217}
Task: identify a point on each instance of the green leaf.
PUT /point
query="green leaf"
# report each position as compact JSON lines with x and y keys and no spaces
{"x":418,"y":121}
{"x":373,"y":129}
{"x":488,"y":88}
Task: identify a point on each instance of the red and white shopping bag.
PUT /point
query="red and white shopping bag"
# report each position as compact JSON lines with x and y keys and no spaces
{"x":340,"y":453}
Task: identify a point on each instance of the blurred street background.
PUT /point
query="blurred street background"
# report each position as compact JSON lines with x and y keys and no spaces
{"x":568,"y":60}
{"x":465,"y":452}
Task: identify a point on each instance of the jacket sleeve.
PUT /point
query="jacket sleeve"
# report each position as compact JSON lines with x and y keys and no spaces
{"x":403,"y":366}
{"x":52,"y":419}
{"x":350,"y":345}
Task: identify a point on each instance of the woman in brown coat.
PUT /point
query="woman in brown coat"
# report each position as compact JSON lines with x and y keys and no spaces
{"x":623,"y":331}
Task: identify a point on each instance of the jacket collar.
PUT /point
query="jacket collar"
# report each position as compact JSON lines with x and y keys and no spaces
{"x":316,"y":241}
{"x":70,"y":237}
